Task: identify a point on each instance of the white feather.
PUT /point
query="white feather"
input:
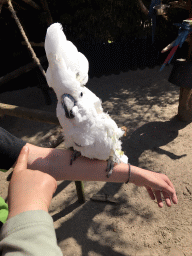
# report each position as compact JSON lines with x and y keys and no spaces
{"x":91,"y":131}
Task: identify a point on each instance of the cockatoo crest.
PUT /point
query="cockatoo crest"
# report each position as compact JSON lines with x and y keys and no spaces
{"x":64,"y":59}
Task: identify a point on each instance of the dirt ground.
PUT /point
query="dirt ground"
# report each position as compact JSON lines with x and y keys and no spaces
{"x":146,"y":103}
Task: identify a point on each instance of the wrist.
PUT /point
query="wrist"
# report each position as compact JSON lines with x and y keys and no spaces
{"x":137,"y":176}
{"x":129,"y":173}
{"x":16,"y":210}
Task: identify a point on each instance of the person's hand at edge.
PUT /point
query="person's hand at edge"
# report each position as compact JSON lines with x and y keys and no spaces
{"x":29,"y":189}
{"x":157,"y":185}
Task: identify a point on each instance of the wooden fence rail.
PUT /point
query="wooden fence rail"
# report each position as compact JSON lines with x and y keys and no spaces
{"x":26,"y":113}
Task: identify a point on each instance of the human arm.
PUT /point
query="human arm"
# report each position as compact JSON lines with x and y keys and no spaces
{"x":10,"y":147}
{"x":29,"y":189}
{"x":29,"y":229}
{"x":56,"y":163}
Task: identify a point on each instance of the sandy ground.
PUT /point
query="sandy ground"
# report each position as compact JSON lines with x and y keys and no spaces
{"x":145,"y":102}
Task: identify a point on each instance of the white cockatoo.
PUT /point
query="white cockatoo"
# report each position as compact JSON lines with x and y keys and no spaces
{"x":86,"y":128}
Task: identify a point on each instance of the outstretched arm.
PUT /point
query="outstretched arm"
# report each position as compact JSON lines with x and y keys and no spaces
{"x":56,"y":163}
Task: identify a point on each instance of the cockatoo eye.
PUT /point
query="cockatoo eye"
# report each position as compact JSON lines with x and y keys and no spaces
{"x":81,"y":94}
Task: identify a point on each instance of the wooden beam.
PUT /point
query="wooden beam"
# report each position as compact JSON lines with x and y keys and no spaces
{"x":46,"y":9}
{"x":32,"y":4}
{"x":34,"y":44}
{"x":26,"y":113}
{"x":24,"y":69}
{"x":178,"y":4}
{"x":143,"y":7}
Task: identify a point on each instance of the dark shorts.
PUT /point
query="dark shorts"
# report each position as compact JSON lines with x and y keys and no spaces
{"x":10,"y":147}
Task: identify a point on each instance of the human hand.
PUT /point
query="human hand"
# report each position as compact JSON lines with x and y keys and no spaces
{"x":157,"y":185}
{"x":29,"y":189}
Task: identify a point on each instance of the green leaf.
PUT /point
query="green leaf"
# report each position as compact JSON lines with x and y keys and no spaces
{"x":3,"y":170}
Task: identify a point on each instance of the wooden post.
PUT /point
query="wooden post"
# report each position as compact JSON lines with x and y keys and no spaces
{"x":80,"y":191}
{"x":185,"y":97}
{"x":185,"y":104}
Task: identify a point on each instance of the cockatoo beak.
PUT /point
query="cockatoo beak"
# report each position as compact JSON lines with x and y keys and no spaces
{"x":68,"y":102}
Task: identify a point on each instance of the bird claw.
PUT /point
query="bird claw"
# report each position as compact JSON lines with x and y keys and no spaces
{"x":74,"y":156}
{"x":110,"y":165}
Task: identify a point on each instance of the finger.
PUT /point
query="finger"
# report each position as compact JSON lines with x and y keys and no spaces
{"x":167,"y":198}
{"x":171,"y":195}
{"x":169,"y":182}
{"x":150,"y":192}
{"x":174,"y":199}
{"x":173,"y":192}
{"x":159,"y":198}
{"x":168,"y":187}
{"x":22,"y":159}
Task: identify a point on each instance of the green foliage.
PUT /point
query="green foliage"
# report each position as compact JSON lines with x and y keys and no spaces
{"x":3,"y":170}
{"x":110,"y":19}
{"x":104,"y":20}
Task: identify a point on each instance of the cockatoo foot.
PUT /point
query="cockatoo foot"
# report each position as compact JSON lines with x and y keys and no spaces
{"x":110,"y":165}
{"x":74,"y":156}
